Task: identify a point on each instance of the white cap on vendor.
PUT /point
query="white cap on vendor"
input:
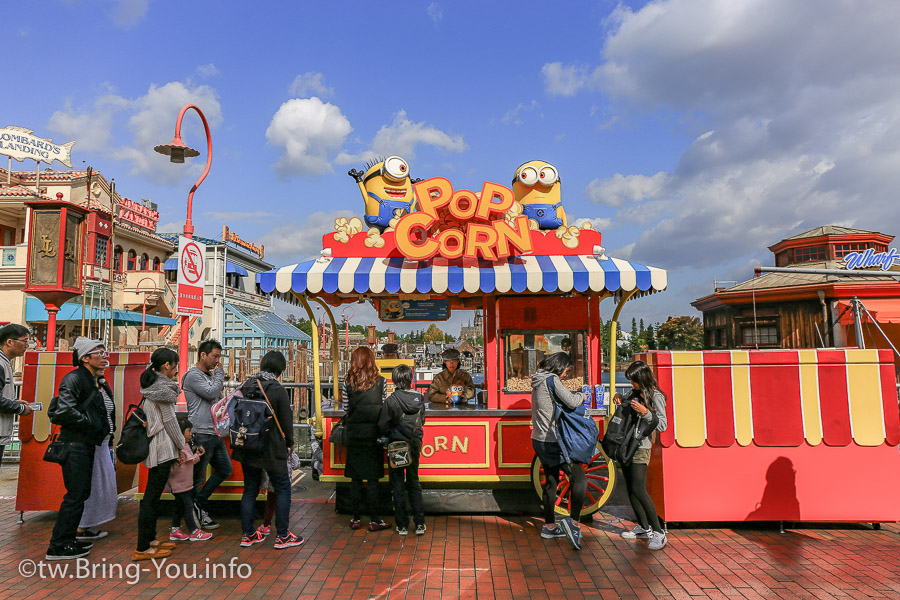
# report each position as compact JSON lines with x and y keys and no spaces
{"x":84,"y":346}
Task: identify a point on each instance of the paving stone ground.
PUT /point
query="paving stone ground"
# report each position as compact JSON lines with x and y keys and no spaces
{"x":461,"y":556}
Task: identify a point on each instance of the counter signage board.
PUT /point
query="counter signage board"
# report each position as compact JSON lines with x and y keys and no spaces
{"x":414,"y":310}
{"x":191,"y":281}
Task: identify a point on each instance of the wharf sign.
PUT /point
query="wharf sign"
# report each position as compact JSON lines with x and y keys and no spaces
{"x":230,"y":236}
{"x":460,"y":224}
{"x":138,"y":214}
{"x":19,"y":143}
{"x":870,"y":258}
{"x":191,"y":280}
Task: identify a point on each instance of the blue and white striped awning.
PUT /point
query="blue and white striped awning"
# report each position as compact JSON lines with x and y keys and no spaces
{"x":369,"y":275}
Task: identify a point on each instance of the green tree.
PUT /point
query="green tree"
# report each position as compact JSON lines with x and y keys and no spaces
{"x":302,"y":324}
{"x":681,"y":333}
{"x":650,"y":338}
{"x":634,"y":340}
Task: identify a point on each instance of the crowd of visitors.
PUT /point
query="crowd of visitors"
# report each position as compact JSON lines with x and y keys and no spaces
{"x":183,"y":447}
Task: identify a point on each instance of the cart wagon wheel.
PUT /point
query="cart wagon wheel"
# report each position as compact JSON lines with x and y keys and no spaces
{"x":601,"y":478}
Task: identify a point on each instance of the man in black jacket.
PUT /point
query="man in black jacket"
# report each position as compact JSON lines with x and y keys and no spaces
{"x":13,"y":343}
{"x":80,"y":412}
{"x":402,"y":419}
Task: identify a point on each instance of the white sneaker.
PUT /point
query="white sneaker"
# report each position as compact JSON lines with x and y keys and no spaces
{"x":637,"y":532}
{"x":657,"y":540}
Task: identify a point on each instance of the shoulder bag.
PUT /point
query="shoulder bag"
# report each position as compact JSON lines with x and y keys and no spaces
{"x":56,"y":451}
{"x":134,"y":443}
{"x":576,"y":432}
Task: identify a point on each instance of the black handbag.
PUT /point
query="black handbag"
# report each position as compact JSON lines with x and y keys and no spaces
{"x":56,"y":451}
{"x":338,"y":435}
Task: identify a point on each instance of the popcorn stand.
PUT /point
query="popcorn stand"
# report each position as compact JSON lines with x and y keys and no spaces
{"x":506,"y":252}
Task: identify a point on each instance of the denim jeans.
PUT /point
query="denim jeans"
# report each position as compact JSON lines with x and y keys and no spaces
{"x":215,"y":454}
{"x":80,"y":461}
{"x":156,"y":482}
{"x":281,"y":483}
{"x":405,"y":480}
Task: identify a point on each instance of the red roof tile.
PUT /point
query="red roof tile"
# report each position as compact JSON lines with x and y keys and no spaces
{"x":20,"y":191}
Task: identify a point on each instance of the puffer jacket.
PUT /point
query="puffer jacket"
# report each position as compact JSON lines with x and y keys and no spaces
{"x":543,"y":407}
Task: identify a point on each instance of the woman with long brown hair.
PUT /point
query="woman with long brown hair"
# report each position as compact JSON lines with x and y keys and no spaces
{"x":365,"y":456}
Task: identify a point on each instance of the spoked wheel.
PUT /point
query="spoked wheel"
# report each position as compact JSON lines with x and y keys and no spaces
{"x":601,"y":477}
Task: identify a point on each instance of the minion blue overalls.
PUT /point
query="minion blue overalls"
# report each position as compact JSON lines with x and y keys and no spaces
{"x":544,"y":214}
{"x":386,"y":210}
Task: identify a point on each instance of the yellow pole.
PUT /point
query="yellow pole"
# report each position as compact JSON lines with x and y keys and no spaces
{"x":613,"y":326}
{"x":317,"y":379}
{"x":334,"y":354}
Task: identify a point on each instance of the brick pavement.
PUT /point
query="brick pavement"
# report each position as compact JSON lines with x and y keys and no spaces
{"x":470,"y":557}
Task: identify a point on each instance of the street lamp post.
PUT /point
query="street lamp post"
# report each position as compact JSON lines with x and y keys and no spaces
{"x":177,"y":151}
{"x":147,"y":294}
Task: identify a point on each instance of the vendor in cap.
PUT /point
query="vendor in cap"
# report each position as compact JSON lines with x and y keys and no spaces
{"x":390,"y":351}
{"x":451,"y":381}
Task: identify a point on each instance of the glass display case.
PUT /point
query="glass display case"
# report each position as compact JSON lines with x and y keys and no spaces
{"x":524,"y":350}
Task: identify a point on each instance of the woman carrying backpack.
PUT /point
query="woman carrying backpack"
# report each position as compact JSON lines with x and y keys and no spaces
{"x":273,"y":458}
{"x":648,"y":401}
{"x":546,"y":446}
{"x":166,"y":441}
{"x":365,"y":456}
{"x":402,"y":418}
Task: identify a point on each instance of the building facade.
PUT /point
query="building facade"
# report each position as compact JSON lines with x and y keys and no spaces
{"x":807,"y":310}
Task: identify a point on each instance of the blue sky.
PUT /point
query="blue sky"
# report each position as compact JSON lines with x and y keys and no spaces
{"x":695,"y":133}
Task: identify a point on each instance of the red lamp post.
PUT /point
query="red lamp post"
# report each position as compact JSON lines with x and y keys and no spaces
{"x":176,"y":150}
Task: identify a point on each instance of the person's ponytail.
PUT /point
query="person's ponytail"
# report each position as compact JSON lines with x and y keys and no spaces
{"x":160,"y":357}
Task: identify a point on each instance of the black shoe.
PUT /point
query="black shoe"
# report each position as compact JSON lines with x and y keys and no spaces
{"x":84,"y":545}
{"x":90,"y":535}
{"x":68,"y":553}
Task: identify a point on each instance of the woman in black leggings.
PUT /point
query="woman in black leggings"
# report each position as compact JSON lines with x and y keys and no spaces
{"x":645,"y":398}
{"x":549,"y":375}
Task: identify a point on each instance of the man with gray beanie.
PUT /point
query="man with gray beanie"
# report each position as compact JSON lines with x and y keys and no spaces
{"x":80,"y":411}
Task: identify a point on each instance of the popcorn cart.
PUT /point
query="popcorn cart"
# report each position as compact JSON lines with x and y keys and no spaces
{"x":539,"y":292}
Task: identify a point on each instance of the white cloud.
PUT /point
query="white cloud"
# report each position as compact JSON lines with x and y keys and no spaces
{"x":798,"y":102}
{"x":207,"y":71}
{"x":401,"y":138}
{"x":298,"y":242}
{"x":128,"y":13}
{"x":600,"y":223}
{"x":150,"y":121}
{"x":435,"y":12}
{"x":514,"y":115}
{"x":311,"y":84}
{"x":309,"y":131}
{"x":171,"y":227}
{"x":562,"y":80}
{"x":620,"y":189}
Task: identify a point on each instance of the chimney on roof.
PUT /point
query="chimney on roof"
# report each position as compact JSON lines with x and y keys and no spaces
{"x":148,"y":203}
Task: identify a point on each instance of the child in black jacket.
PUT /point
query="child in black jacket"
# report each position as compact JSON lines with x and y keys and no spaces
{"x":401,"y":420}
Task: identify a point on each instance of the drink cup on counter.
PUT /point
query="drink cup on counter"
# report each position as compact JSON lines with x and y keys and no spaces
{"x":586,"y":390}
{"x":601,"y":396}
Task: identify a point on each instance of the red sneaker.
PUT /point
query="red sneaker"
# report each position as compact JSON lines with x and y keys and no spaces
{"x":264,"y":529}
{"x":177,"y":535}
{"x":200,"y":536}
{"x":254,"y":538}
{"x":378,"y":525}
{"x":287,"y":541}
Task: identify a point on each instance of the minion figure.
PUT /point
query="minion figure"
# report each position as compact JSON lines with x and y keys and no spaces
{"x":536,"y":187}
{"x":386,"y":189}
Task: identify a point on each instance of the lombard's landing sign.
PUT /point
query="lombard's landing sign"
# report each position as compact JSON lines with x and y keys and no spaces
{"x":870,"y":258}
{"x":19,"y":143}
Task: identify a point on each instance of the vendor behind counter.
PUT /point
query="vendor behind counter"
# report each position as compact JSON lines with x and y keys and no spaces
{"x":452,"y":384}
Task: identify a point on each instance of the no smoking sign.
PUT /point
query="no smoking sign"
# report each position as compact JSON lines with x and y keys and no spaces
{"x":191,"y":261}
